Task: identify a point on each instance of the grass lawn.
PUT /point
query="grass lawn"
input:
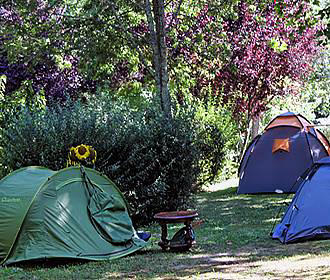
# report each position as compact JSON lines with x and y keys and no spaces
{"x":232,"y":243}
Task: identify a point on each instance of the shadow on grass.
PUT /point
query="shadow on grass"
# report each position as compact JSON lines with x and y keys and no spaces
{"x":245,"y":263}
{"x":50,"y":263}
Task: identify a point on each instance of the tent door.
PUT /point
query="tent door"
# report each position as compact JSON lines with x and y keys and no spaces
{"x":108,"y":214}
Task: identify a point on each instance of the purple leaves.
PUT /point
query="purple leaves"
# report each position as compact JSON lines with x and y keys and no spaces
{"x":270,"y":53}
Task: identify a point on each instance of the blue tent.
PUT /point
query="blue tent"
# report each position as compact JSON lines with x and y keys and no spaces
{"x":307,"y":216}
{"x":289,"y":145}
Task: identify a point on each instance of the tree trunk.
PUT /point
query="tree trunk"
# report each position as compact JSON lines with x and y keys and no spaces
{"x":251,"y":132}
{"x":255,"y":126}
{"x":156,"y":25}
{"x":245,"y":142}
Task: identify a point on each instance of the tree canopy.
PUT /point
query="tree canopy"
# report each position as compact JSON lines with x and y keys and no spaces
{"x":239,"y":49}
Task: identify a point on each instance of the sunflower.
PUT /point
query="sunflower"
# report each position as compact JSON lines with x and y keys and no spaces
{"x":72,"y":159}
{"x":72,"y":154}
{"x":92,"y":154}
{"x":82,"y":152}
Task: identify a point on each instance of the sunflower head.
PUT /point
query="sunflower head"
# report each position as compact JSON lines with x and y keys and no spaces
{"x":82,"y":152}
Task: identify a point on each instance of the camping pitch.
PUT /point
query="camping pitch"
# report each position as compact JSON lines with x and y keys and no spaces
{"x":307,"y":216}
{"x":73,"y":213}
{"x":289,"y":145}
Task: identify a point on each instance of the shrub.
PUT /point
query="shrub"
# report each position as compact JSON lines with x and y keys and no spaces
{"x":222,"y":132}
{"x":154,"y":162}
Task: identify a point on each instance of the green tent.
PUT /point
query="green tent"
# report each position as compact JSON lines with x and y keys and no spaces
{"x":72,"y":213}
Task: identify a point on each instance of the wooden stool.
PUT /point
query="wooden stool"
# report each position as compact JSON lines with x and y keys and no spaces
{"x":186,"y":217}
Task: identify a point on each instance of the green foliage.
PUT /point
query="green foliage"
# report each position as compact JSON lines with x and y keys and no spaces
{"x":278,"y":45}
{"x":11,"y":106}
{"x":154,"y":162}
{"x":24,"y":97}
{"x":211,"y":117}
{"x":318,"y":87}
{"x":299,"y":104}
{"x":312,"y":101}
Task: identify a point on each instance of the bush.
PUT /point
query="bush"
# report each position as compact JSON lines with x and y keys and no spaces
{"x":218,"y":121}
{"x":154,"y":162}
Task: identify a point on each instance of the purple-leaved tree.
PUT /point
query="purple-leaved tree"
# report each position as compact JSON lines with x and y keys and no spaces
{"x":272,"y":49}
{"x":56,"y":75}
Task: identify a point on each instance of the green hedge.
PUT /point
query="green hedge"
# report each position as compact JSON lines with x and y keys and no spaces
{"x":156,"y":163}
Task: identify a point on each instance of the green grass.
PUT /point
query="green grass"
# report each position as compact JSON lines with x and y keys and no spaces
{"x":232,"y":243}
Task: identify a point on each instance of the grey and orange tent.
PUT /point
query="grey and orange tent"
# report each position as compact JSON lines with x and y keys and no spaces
{"x":274,"y":160}
{"x":73,"y":213}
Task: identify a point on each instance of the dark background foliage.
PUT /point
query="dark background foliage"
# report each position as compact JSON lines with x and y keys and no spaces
{"x":156,"y":164}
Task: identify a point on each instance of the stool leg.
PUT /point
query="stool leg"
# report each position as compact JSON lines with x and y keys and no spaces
{"x":164,"y":241}
{"x":189,"y":235}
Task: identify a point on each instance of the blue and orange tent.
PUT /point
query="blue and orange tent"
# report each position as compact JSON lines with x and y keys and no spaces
{"x":274,"y":160}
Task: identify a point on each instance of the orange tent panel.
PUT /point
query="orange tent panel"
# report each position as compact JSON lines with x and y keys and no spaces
{"x":281,"y":145}
{"x":323,"y":140}
{"x":296,"y":121}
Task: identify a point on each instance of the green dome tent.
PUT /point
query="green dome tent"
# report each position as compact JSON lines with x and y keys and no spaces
{"x":72,"y":213}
